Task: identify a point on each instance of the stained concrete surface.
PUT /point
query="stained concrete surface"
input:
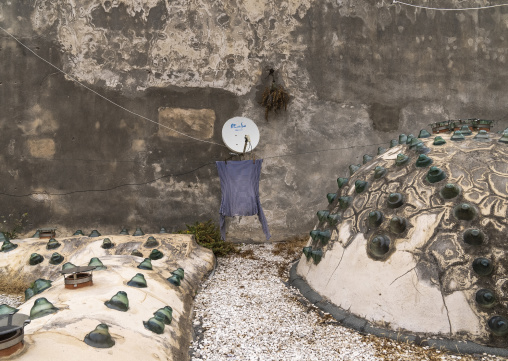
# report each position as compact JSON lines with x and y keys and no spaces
{"x":359,"y":73}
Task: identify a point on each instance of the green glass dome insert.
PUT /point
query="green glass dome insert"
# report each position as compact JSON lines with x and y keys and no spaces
{"x":402,"y":139}
{"x":316,"y":255}
{"x":333,"y":219}
{"x":151,"y":242}
{"x":8,"y":246}
{"x":7,"y":310}
{"x":42,"y":307}
{"x":379,"y":172}
{"x":374,"y":219}
{"x":331,"y":197}
{"x":367,"y":158}
{"x":307,"y":251}
{"x":424,"y":134}
{"x":395,"y":200}
{"x":394,"y":143}
{"x":498,"y":325}
{"x":174,"y":280}
{"x":138,"y":232}
{"x":146,"y":264}
{"x":464,"y":212}
{"x":398,"y":225}
{"x":324,"y":236}
{"x":97,"y":263}
{"x":56,"y":258}
{"x":138,"y":281}
{"x":155,"y":324}
{"x":314,"y":234}
{"x":353,"y":168}
{"x":52,"y":244}
{"x":35,"y":259}
{"x":322,"y":215}
{"x":344,"y":202}
{"x":36,"y":235}
{"x":474,"y":237}
{"x":124,"y":232}
{"x":155,"y":254}
{"x":163,"y":230}
{"x":94,"y":233}
{"x":136,"y":253}
{"x":485,"y":298}
{"x":380,"y":150}
{"x":409,"y":138}
{"x":100,"y":337}
{"x":504,"y":137}
{"x":166,"y":313}
{"x":414,"y":143}
{"x":107,"y":244}
{"x":457,"y":136}
{"x":483,"y":266}
{"x":379,"y":246}
{"x":420,"y":148}
{"x":435,"y":175}
{"x":41,"y":285}
{"x":423,"y":161}
{"x":67,"y":265}
{"x":450,"y":191}
{"x":179,"y":272}
{"x":482,"y":136}
{"x":465,"y":130}
{"x":79,"y":232}
{"x":402,"y":159}
{"x":29,"y":293}
{"x":360,"y":186}
{"x":119,"y":302}
{"x":438,"y":140}
{"x":341,"y":182}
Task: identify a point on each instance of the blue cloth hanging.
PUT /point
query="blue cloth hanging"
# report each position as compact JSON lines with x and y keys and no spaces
{"x":239,"y":184}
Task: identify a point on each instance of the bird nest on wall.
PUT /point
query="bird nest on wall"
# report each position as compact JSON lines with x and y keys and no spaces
{"x":274,"y":97}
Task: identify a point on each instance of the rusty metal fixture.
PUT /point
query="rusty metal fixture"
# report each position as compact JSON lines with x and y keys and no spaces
{"x":78,"y":277}
{"x":47,"y":232}
{"x":12,"y":333}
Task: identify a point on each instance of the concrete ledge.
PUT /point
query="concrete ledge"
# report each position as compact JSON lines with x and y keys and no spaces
{"x":347,"y":319}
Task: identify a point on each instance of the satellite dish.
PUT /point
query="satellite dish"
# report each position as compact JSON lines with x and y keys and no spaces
{"x":234,"y":132}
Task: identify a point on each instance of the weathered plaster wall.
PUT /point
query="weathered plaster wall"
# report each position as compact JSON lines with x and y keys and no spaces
{"x":359,"y":72}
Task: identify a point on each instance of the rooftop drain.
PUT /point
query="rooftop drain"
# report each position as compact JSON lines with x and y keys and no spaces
{"x":146,"y":264}
{"x":124,"y":232}
{"x":100,"y":337}
{"x":46,"y":232}
{"x":138,"y":281}
{"x":52,"y":244}
{"x":42,"y":307}
{"x":79,"y":232}
{"x":156,"y":254}
{"x":35,"y":259}
{"x":138,"y":232}
{"x":97,"y":263}
{"x":136,"y":253}
{"x":8,"y":246}
{"x":151,"y":242}
{"x":118,"y":302}
{"x":94,"y":233}
{"x":107,"y":244}
{"x":155,"y":324}
{"x":12,"y":332}
{"x":78,"y":277}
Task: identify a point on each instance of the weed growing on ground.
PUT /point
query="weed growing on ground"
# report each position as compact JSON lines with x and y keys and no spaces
{"x":208,"y":235}
{"x":15,"y":286}
{"x":290,"y":249}
{"x":11,"y":225}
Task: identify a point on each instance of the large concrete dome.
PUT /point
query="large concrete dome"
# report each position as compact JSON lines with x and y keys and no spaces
{"x":416,"y":240}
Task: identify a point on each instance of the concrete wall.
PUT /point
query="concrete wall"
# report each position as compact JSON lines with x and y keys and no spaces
{"x":359,"y":73}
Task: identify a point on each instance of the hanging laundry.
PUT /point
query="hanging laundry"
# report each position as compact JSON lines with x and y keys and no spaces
{"x":239,"y":183}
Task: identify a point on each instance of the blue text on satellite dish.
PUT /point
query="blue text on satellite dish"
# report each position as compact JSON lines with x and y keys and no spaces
{"x":238,"y":128}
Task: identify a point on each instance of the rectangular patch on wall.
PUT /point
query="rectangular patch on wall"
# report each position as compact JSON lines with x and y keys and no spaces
{"x":198,"y":123}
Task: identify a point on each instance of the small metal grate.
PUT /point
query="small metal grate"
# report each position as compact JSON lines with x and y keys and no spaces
{"x":77,"y":277}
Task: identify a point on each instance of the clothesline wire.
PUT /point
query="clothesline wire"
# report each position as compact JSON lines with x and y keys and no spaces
{"x":174,"y":175}
{"x":104,"y":97}
{"x":448,"y":9}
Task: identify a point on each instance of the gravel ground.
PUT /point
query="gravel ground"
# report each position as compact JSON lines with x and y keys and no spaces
{"x":246,"y":312}
{"x":11,"y":300}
